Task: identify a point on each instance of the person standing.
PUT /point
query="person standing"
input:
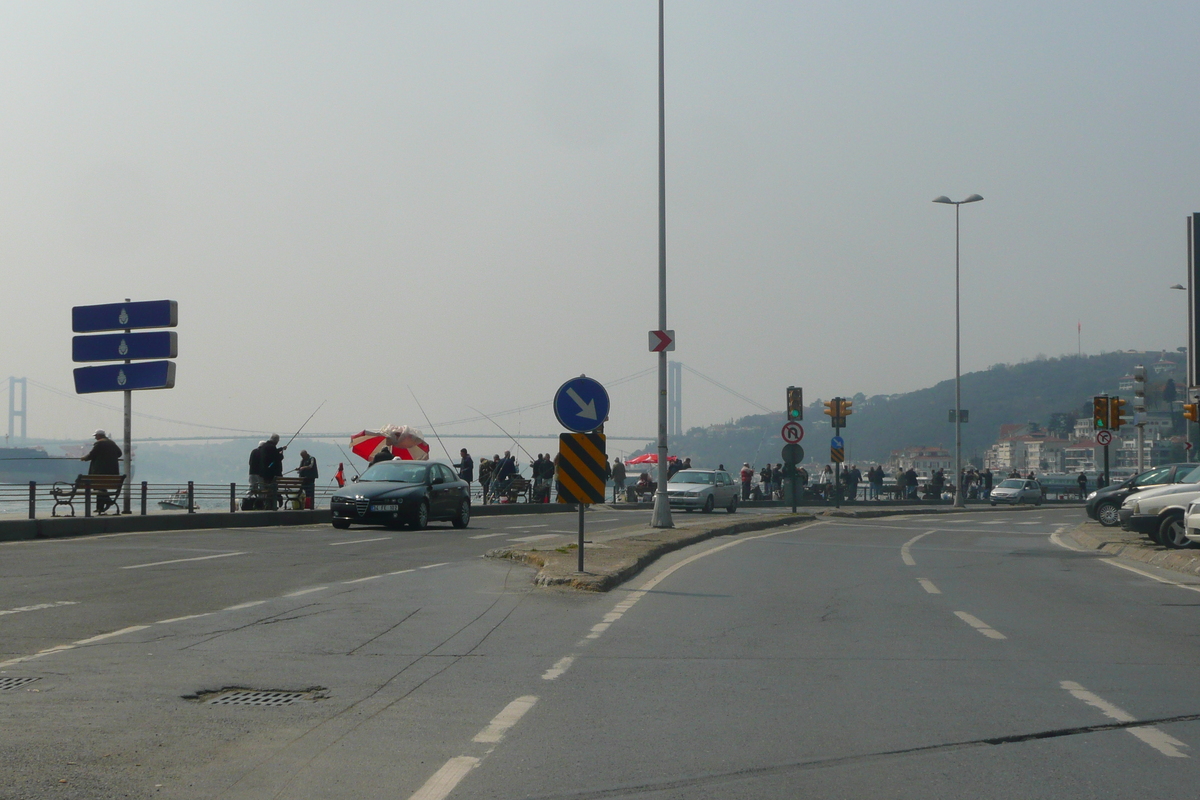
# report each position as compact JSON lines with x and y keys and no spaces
{"x":254,"y":500}
{"x":486,"y":467}
{"x":747,"y":476}
{"x":618,"y":478}
{"x":764,"y":477}
{"x":987,"y":482}
{"x":272,"y":468}
{"x":1082,"y":481}
{"x":103,"y":459}
{"x":307,"y":473}
{"x":466,"y":467}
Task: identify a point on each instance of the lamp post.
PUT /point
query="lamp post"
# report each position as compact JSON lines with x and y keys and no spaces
{"x":661,"y":516}
{"x":958,"y":496}
{"x":1187,"y":428}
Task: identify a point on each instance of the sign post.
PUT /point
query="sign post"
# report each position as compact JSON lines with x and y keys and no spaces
{"x":793,"y":454}
{"x":581,"y":405}
{"x":126,"y":347}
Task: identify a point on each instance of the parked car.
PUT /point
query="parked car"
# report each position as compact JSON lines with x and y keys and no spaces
{"x":1105,"y":504}
{"x":1159,"y":513}
{"x":1191,"y":521}
{"x":396,"y":492}
{"x":704,"y":489}
{"x":1017,"y":490}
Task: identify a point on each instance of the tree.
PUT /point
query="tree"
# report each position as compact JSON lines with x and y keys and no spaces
{"x":1169,"y":393}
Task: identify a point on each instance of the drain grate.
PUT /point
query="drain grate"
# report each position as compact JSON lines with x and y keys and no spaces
{"x":257,"y":698}
{"x":12,"y":683}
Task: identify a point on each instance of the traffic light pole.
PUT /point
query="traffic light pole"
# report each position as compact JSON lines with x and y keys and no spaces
{"x":837,"y":473}
{"x":1106,"y":481}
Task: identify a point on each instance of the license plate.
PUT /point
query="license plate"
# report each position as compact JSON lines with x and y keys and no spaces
{"x":386,"y":507}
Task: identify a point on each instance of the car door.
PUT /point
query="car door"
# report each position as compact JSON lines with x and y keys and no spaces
{"x":441,"y":492}
{"x":724,"y":490}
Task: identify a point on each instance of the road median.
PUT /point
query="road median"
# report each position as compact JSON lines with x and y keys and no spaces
{"x":1134,"y":547}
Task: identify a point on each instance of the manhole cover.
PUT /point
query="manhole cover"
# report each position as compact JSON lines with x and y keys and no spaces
{"x":12,"y":683}
{"x":256,"y":697}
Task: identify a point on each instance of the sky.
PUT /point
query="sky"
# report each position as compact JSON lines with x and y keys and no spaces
{"x":422,"y":213}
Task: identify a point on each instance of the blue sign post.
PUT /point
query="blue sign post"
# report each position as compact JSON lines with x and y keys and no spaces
{"x":132,"y":348}
{"x":581,"y":405}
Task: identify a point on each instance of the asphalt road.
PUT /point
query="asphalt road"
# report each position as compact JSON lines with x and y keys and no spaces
{"x":966,"y":655}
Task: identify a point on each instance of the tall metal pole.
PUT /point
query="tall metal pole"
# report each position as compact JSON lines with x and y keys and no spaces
{"x":958,"y":496}
{"x":662,"y":507}
{"x":129,"y":439}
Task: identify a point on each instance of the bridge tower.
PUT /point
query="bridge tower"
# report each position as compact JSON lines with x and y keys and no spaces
{"x":674,"y":398}
{"x":13,"y":411}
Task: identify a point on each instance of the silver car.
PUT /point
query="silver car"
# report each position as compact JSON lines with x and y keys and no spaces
{"x":1017,"y":490}
{"x":704,"y":489}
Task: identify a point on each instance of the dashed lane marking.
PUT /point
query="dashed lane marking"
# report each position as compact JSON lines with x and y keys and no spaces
{"x":928,"y":586}
{"x":524,"y":527}
{"x":1160,"y":741}
{"x":182,"y":560}
{"x":111,"y":634}
{"x":906,"y":548}
{"x":535,"y":538}
{"x":306,"y":591}
{"x":980,"y":625}
{"x":39,"y":607}
{"x":487,"y":535}
{"x":240,"y":606}
{"x":503,"y":721}
{"x":181,"y":619}
{"x":442,"y":782}
{"x":361,"y":541}
{"x":559,"y":668}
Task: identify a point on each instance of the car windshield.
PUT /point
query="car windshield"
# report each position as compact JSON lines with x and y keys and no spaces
{"x":692,"y":476}
{"x":1189,"y":477}
{"x":1012,"y":483}
{"x":395,"y":472}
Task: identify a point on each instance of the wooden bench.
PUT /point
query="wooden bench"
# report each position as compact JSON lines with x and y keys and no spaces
{"x":289,"y":493}
{"x":107,"y":487}
{"x":518,"y":489}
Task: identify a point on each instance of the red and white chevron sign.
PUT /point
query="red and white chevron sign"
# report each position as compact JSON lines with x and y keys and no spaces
{"x":661,"y":341}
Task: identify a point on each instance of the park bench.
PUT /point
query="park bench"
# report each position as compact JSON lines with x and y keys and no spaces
{"x":518,"y":489}
{"x":289,"y":493}
{"x":65,"y":492}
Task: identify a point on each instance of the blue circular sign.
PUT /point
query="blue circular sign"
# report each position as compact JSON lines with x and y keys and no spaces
{"x":581,"y":405}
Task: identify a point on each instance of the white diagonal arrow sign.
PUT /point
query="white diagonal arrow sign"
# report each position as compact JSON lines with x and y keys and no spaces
{"x":586,"y":410}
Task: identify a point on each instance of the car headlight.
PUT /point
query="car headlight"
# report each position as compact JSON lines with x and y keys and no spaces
{"x":1092,"y":496}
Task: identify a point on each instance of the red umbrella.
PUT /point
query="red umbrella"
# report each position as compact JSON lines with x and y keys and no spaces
{"x":405,"y":443}
{"x":649,"y":458}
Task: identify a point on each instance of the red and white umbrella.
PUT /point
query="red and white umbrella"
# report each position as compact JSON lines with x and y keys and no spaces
{"x":649,"y":458}
{"x":405,"y":443}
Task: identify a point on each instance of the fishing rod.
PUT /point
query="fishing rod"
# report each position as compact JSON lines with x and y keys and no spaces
{"x":449,"y":457}
{"x":302,"y":427}
{"x":506,"y":433}
{"x":348,"y":461}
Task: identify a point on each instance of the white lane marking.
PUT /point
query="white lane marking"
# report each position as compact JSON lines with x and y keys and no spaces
{"x":401,"y":571}
{"x":487,"y":535}
{"x":524,"y":527}
{"x":537,"y":538}
{"x":980,"y":625}
{"x":439,"y":564}
{"x":442,"y":782}
{"x":560,"y":666}
{"x":182,"y":560}
{"x":361,"y":580}
{"x":1167,"y":745}
{"x":558,"y":531}
{"x":240,"y":606}
{"x":1027,"y":523}
{"x":307,"y":591}
{"x":14,"y":661}
{"x":928,"y":586}
{"x":361,"y":541}
{"x":995,"y":522}
{"x":906,"y":548}
{"x":507,"y":718}
{"x":39,"y":607}
{"x":1112,"y":562}
{"x":610,"y":519}
{"x":111,"y":634}
{"x":181,"y":619}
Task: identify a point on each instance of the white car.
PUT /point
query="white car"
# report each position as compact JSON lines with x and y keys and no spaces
{"x":1159,"y":513}
{"x":704,"y":489}
{"x":1017,"y":490}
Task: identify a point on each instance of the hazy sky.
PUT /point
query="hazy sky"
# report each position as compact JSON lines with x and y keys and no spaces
{"x":351,"y":199}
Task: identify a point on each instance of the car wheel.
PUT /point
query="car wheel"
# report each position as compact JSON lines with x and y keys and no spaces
{"x":732,"y":507}
{"x":1108,"y":515}
{"x":464,"y":515}
{"x":421,"y":518}
{"x":993,"y":504}
{"x":709,"y":504}
{"x":341,"y":524}
{"x":1173,"y":534}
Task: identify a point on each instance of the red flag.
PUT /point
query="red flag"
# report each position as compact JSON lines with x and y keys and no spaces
{"x":341,"y":476}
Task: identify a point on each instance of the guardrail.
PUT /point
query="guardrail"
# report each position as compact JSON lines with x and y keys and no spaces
{"x":34,"y":498}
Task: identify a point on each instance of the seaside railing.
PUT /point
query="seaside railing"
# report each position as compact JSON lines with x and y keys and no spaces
{"x":35,"y":500}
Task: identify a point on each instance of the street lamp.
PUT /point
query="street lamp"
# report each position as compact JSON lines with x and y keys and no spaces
{"x":1187,"y":427}
{"x":958,"y":496}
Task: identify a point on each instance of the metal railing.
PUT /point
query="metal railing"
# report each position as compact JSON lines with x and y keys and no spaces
{"x":34,"y":499}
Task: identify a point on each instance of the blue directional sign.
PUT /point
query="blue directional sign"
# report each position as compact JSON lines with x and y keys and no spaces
{"x":125,"y":377}
{"x":125,"y":346}
{"x":125,"y":316}
{"x":837,"y":443}
{"x":581,"y":405}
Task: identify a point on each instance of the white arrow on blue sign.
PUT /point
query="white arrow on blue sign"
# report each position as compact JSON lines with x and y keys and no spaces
{"x":581,"y":405}
{"x":837,"y":443}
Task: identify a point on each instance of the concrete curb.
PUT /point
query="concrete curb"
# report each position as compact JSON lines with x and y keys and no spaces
{"x":621,"y":559}
{"x":1133,"y":547}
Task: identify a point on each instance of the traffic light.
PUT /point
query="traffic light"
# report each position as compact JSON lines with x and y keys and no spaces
{"x":846,"y":407}
{"x":795,"y":404}
{"x":1191,"y":411}
{"x":1100,"y":412}
{"x":833,"y":408}
{"x":1116,"y":413}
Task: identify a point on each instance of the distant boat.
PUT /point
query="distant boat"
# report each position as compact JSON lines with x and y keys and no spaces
{"x":178,"y":501}
{"x":25,"y":464}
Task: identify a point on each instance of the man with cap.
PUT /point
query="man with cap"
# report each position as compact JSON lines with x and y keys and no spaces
{"x":747,"y":476}
{"x":272,"y":468}
{"x":105,"y":458}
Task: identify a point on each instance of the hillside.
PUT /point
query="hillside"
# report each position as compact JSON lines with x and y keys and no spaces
{"x":1033,"y":391}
